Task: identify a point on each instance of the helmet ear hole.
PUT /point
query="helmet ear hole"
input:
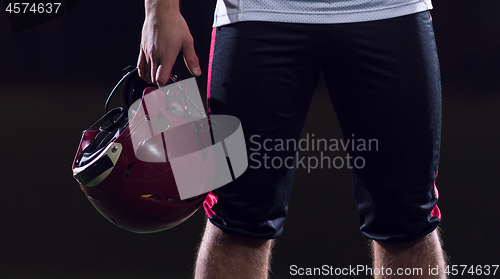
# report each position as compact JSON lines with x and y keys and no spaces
{"x":128,"y":170}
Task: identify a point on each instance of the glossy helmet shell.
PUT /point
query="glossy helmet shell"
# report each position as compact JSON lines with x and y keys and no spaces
{"x":141,"y":196}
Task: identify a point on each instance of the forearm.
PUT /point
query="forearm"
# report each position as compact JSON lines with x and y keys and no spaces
{"x":153,"y":6}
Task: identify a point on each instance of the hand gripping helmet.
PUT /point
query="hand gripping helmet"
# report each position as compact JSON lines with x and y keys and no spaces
{"x":124,"y":163}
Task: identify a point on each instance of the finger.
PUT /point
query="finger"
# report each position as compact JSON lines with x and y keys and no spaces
{"x":142,"y":67}
{"x":163,"y":72}
{"x":154,"y":67}
{"x":191,"y":59}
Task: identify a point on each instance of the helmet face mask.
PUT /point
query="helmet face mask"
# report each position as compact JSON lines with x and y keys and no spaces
{"x":123,"y":162}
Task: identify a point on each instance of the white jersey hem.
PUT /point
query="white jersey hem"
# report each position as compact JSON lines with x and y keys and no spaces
{"x":223,"y":17}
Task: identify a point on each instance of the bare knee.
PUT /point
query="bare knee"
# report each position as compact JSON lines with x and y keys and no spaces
{"x":402,"y":247}
{"x":421,"y":254}
{"x":429,"y":241}
{"x":224,"y":255}
{"x":222,"y":238}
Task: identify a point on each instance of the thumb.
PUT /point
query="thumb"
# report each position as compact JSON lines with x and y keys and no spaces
{"x":191,"y":59}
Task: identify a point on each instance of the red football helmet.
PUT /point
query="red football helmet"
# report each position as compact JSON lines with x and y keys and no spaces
{"x":125,"y":169}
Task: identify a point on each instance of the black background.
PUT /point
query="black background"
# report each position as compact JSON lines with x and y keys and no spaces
{"x":54,"y":80}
